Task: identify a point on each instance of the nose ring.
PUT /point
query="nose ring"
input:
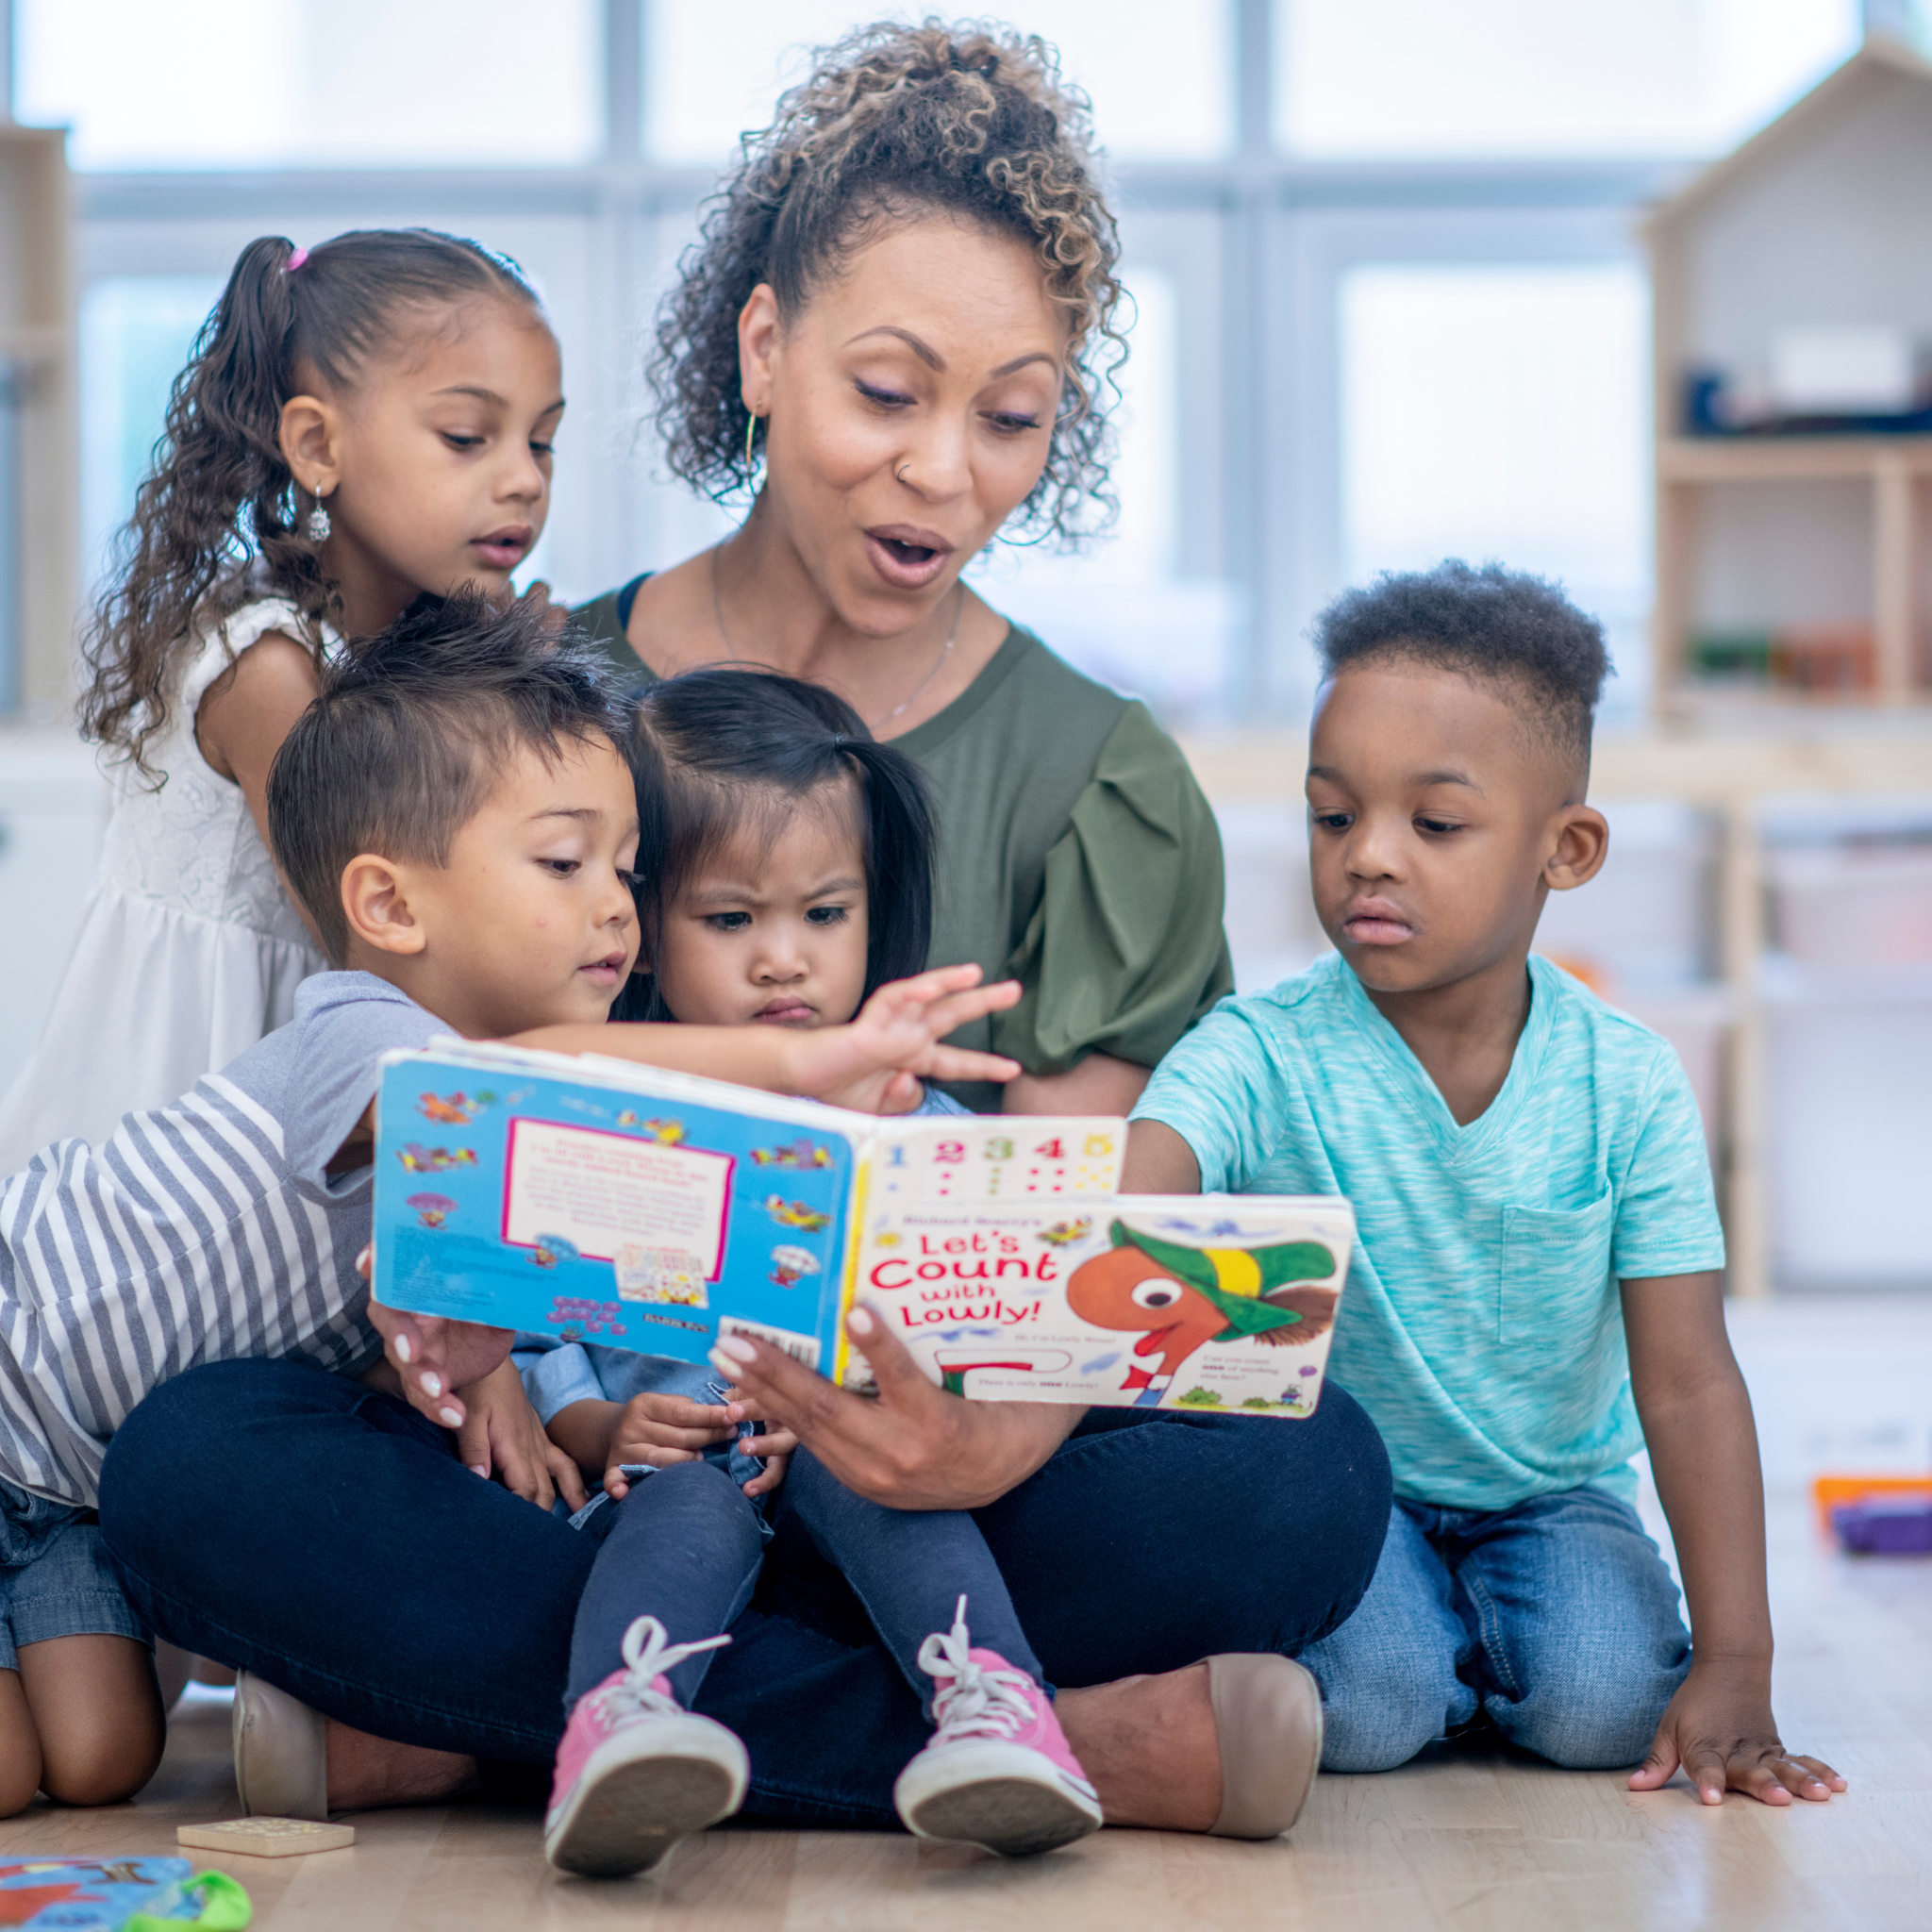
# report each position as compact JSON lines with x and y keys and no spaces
{"x":899,"y":474}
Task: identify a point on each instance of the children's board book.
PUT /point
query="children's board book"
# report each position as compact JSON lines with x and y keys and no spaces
{"x":597,"y":1201}
{"x":115,"y":1895}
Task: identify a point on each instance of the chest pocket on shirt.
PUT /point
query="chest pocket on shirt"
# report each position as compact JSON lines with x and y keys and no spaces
{"x":1556,"y":1271}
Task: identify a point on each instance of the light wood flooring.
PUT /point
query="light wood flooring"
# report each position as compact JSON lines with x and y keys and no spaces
{"x":1468,"y":1840}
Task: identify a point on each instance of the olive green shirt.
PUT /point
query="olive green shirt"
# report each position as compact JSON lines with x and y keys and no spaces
{"x":1076,"y":856}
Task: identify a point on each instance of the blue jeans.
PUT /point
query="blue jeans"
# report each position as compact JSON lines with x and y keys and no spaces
{"x":685,"y":1546}
{"x":55,"y":1580}
{"x":1555,"y":1618}
{"x":274,"y":1516}
{"x":909,"y":1568}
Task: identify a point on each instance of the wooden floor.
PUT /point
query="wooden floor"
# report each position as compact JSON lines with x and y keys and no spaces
{"x":1464,"y":1841}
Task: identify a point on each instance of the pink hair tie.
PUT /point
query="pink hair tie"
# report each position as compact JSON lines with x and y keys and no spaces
{"x":295,"y":261}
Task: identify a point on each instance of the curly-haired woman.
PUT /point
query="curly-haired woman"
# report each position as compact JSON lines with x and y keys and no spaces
{"x":907,"y":285}
{"x":895,"y":333}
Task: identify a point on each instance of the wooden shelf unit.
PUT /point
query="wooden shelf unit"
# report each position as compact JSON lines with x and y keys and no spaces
{"x":1816,"y":220}
{"x":37,"y":363}
{"x":1896,"y":470}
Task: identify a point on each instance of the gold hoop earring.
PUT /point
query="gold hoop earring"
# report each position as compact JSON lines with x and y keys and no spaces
{"x":751,"y":424}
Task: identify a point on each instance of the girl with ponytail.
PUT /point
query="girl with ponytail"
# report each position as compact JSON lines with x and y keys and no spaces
{"x":360,"y":423}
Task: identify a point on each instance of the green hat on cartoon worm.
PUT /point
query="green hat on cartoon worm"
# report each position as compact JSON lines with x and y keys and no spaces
{"x":1236,"y":1279}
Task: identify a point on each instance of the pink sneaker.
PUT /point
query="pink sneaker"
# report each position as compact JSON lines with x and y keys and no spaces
{"x":998,"y":1772}
{"x":636,"y":1772}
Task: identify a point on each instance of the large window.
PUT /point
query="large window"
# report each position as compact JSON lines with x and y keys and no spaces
{"x":313,"y":83}
{"x":1389,"y":306}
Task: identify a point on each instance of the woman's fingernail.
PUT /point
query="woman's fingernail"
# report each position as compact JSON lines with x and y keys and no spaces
{"x":406,"y":1349}
{"x":362,"y":1260}
{"x":723,"y":1362}
{"x":737,"y":1348}
{"x":432,"y":1382}
{"x":452,"y":1418}
{"x":860,"y":1321}
{"x":481,"y":1469}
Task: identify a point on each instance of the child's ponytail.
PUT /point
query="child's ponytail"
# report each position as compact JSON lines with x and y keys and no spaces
{"x":218,"y":518}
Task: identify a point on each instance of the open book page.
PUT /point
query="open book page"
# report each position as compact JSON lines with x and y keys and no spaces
{"x":598,"y":1201}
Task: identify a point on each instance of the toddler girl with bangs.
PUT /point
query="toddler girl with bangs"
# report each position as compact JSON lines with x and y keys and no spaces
{"x":792,"y":875}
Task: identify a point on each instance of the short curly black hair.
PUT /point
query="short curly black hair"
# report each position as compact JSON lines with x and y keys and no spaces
{"x":1504,"y":627}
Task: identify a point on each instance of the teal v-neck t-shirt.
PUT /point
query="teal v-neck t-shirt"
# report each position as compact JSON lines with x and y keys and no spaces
{"x":1481,"y":1325}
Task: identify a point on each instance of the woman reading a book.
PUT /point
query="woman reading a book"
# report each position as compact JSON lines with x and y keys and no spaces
{"x":895,"y":335}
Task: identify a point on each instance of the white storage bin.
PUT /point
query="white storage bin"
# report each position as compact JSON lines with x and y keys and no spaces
{"x":1849,"y":1140}
{"x":1859,"y":910}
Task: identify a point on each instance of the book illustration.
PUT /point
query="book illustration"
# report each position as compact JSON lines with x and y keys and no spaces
{"x":956,"y":1364}
{"x":432,"y":1210}
{"x":789,"y":1265}
{"x":420,"y":1159}
{"x":636,"y":1209}
{"x":796,"y":1214}
{"x":1227,"y":1306}
{"x":578,"y":1320}
{"x":671,"y":1276}
{"x":457,"y":1110}
{"x":1182,"y":1297}
{"x":802,"y":1153}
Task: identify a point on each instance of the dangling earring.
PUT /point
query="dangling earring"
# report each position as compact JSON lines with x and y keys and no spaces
{"x":751,"y":424}
{"x":317,"y":524}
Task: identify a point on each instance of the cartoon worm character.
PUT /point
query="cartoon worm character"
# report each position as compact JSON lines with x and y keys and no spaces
{"x":1184,"y":1297}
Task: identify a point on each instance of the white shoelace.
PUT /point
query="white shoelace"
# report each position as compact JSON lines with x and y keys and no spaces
{"x":973,"y":1701}
{"x":649,"y":1654}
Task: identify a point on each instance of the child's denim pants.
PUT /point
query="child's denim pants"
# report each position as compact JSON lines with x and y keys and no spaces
{"x":1555,"y":1618}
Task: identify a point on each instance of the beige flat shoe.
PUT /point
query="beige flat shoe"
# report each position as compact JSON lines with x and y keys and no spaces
{"x":1268,"y":1718}
{"x":281,"y":1764}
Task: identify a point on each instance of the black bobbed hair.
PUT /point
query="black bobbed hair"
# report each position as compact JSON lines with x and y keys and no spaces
{"x":716,"y":750}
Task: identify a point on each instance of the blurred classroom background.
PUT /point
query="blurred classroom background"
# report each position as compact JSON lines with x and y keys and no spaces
{"x":1636,"y":295}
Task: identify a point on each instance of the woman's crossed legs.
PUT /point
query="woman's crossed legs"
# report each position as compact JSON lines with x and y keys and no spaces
{"x":307,"y":1528}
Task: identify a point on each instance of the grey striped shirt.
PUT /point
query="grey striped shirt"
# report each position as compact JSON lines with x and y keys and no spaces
{"x":196,"y":1232}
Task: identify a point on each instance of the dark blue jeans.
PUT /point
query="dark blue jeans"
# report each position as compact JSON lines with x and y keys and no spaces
{"x":684,"y":1546}
{"x":280,"y":1518}
{"x":909,"y":1568}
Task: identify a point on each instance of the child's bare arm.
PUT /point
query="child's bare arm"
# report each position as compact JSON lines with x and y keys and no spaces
{"x":583,"y":1431}
{"x":500,"y":1435}
{"x":247,"y":712}
{"x":1158,"y":1161}
{"x":1696,"y":1415}
{"x":874,"y":1062}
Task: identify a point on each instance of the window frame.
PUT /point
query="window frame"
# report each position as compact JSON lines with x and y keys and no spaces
{"x":1255,"y":245}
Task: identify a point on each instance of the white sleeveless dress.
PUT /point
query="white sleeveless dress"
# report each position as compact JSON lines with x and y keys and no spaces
{"x":189,"y":950}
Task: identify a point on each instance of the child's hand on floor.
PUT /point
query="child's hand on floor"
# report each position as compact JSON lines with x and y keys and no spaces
{"x":500,"y":1435}
{"x":663,"y":1429}
{"x":874,"y":1062}
{"x":1720,"y":1731}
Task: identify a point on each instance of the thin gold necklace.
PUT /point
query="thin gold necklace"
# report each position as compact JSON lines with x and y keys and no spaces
{"x":906,"y":702}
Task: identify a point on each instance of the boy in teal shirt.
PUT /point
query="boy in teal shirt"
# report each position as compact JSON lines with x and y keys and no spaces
{"x":1535,"y":1293}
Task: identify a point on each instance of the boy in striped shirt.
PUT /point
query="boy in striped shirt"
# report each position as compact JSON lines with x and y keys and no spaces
{"x":455,"y":816}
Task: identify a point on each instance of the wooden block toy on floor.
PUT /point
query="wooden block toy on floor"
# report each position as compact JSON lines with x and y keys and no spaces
{"x":267,"y":1837}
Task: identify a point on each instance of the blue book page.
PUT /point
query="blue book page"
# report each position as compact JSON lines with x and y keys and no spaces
{"x":593,"y":1213}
